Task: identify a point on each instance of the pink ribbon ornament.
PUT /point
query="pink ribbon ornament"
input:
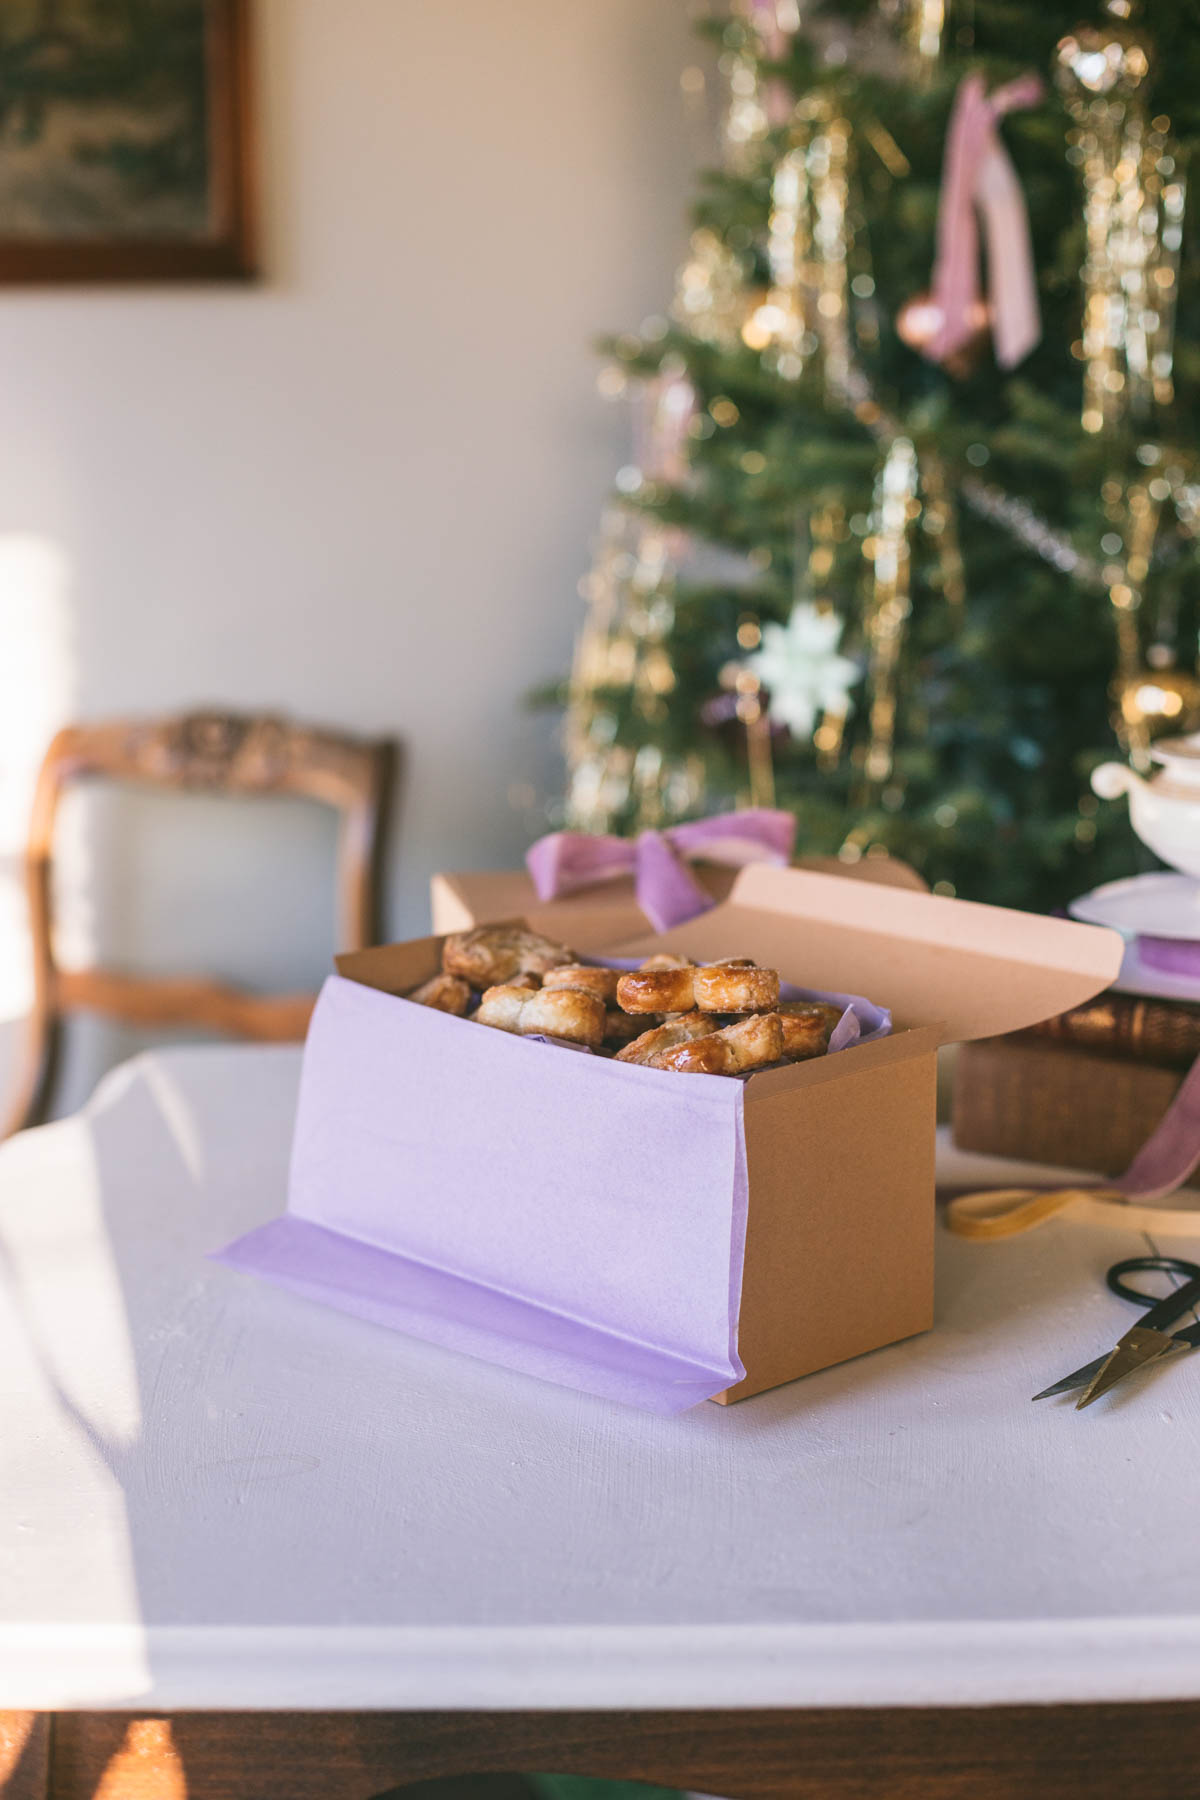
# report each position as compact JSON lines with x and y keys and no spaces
{"x":978,"y":177}
{"x":667,"y":893}
{"x":775,"y":38}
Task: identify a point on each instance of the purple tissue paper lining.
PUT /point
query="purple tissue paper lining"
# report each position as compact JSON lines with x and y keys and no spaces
{"x":577,"y":1219}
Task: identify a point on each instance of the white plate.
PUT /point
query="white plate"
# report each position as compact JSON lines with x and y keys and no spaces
{"x":1164,"y":905}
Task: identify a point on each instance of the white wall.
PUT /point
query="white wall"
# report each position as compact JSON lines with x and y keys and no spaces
{"x":361,"y":490}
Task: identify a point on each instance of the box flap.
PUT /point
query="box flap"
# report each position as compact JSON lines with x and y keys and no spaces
{"x":975,"y":970}
{"x":392,"y":968}
{"x":589,"y":919}
{"x":608,"y":912}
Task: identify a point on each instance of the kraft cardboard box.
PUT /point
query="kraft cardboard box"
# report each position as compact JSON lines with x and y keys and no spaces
{"x":655,"y":1237}
{"x":608,"y":912}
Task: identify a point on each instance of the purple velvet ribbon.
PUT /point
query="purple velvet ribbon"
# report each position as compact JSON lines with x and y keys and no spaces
{"x":1172,"y":1150}
{"x":667,"y":892}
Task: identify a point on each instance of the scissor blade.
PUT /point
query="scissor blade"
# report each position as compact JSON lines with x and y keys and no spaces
{"x":1189,"y":1339}
{"x":1078,"y":1379}
{"x":1138,"y":1348}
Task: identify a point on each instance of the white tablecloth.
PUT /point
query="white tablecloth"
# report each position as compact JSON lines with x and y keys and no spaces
{"x":214,"y":1494}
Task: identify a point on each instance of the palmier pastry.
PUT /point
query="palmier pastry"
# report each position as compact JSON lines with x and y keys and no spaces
{"x":556,"y":1012}
{"x":807,"y":1027}
{"x":736,"y":987}
{"x":657,"y":990}
{"x":683,"y":1030}
{"x":666,"y":959}
{"x":445,"y":993}
{"x":752,"y":1043}
{"x":731,"y":987}
{"x":586,"y":980}
{"x":804,"y":1034}
{"x":492,"y":954}
{"x":825,"y":1008}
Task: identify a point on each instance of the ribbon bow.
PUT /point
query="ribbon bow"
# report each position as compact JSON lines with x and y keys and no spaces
{"x":979,"y":174}
{"x":666,"y":892}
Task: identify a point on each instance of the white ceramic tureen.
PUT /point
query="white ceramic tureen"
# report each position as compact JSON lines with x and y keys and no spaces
{"x":1165,"y":811}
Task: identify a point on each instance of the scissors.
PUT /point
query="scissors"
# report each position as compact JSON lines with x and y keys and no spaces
{"x":1144,"y":1343}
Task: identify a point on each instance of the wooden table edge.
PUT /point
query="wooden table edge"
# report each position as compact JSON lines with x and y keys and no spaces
{"x":909,"y":1753}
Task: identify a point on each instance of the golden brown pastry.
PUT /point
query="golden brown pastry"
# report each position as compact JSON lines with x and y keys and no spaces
{"x":492,"y":954}
{"x":682,"y":1030}
{"x":666,"y":959}
{"x":530,"y":982}
{"x":807,"y":1027}
{"x":731,"y":987}
{"x":803,"y":1035}
{"x":445,"y":993}
{"x":586,"y":980}
{"x":752,"y":1043}
{"x":558,"y":1012}
{"x":827,"y":1010}
{"x":657,"y":990}
{"x":735,"y":987}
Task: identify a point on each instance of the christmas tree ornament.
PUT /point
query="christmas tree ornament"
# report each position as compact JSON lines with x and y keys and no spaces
{"x":1134,"y":202}
{"x":661,"y":426}
{"x":622,"y":665}
{"x":896,"y":507}
{"x":710,"y":293}
{"x":744,"y":702}
{"x":1135,"y":511}
{"x":818,"y":535}
{"x":776,"y":23}
{"x":921,"y":324}
{"x":807,"y":305}
{"x":801,"y":668}
{"x":1133,"y":214}
{"x":755,"y":105}
{"x":978,"y":178}
{"x":829,"y":163}
{"x":1156,"y":701}
{"x":940,"y":522}
{"x":1014,"y":515}
{"x":925,"y":23}
{"x":781,"y":323}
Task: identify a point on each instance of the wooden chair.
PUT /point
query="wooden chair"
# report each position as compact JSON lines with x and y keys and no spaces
{"x":213,"y":752}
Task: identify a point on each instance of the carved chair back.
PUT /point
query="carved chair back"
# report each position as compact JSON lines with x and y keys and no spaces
{"x":209,"y":752}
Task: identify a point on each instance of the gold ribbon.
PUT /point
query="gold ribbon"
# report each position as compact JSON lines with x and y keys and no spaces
{"x":994,"y":1213}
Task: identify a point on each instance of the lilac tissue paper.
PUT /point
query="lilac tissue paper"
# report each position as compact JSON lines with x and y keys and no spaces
{"x":571,"y":1217}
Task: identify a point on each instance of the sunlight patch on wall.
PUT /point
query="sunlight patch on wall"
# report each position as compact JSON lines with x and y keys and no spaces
{"x":37,"y":693}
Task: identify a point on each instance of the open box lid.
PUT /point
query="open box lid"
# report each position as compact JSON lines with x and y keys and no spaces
{"x":974,"y":971}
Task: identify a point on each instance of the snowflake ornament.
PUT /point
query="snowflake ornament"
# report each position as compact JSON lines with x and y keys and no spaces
{"x":800,"y":666}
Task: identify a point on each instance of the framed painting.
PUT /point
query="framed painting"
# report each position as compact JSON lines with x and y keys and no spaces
{"x":125,"y":140}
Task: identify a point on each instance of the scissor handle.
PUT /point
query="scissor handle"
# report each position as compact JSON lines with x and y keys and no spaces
{"x":1134,"y":1265}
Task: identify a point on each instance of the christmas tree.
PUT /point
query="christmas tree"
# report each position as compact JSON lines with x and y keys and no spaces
{"x":908,"y":538}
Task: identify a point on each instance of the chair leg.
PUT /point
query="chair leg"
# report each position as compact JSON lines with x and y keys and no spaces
{"x":36,"y":1072}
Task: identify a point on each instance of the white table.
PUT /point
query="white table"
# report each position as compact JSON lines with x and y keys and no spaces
{"x":215,"y":1495}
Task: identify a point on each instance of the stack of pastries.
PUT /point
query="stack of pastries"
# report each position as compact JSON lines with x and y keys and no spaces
{"x":722,"y":1018}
